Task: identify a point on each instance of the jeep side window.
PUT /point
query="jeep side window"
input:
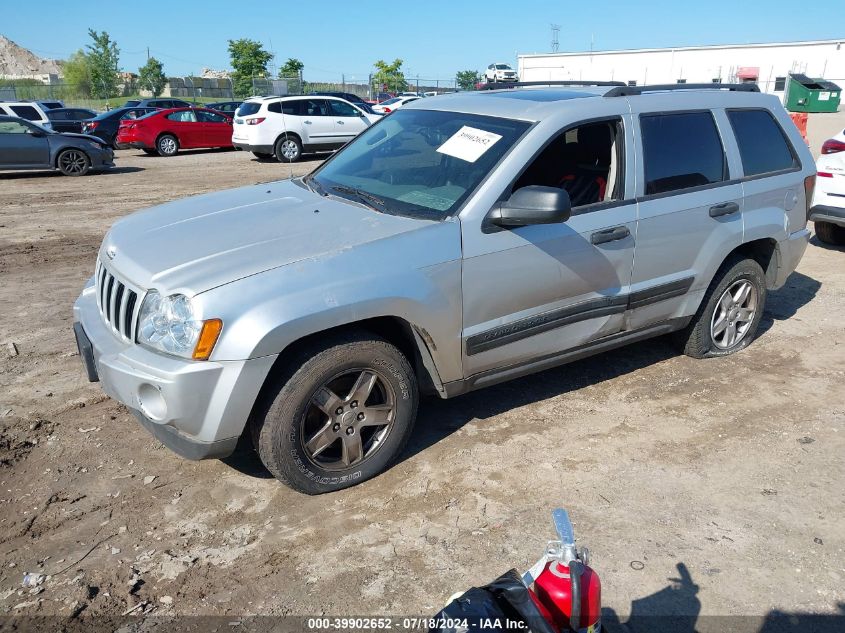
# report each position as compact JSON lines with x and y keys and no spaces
{"x":584,"y":160}
{"x":762,"y":144}
{"x":681,"y":150}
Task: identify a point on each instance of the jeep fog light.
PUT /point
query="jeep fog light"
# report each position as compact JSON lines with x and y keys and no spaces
{"x":168,"y":324}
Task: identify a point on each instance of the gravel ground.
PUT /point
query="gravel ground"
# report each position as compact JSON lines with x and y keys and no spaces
{"x":702,"y":488}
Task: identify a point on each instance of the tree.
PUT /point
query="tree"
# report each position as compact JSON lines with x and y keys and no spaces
{"x":467,"y":79}
{"x":151,"y":76}
{"x":103,"y":57}
{"x":77,"y":73}
{"x":292,"y":68}
{"x":249,"y":59}
{"x":391,"y":75}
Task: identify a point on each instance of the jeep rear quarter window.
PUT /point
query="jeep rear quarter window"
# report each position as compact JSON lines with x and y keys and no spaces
{"x":762,"y":144}
{"x":681,"y":150}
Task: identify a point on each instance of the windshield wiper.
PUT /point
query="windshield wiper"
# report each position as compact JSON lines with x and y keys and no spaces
{"x":314,"y":185}
{"x":369,"y":199}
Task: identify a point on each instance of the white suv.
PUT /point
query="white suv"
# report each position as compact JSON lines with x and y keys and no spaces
{"x":28,"y":110}
{"x":500,"y":72}
{"x":287,"y":127}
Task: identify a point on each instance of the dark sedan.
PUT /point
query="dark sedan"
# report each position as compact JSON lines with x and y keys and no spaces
{"x":69,"y":119}
{"x":25,"y":145}
{"x":226,"y":107}
{"x":105,"y":125}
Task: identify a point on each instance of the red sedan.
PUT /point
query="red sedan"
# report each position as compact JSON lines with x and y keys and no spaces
{"x":165,"y":132}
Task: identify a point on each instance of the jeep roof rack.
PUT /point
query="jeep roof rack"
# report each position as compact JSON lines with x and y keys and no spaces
{"x":495,"y":85}
{"x":628,"y":91}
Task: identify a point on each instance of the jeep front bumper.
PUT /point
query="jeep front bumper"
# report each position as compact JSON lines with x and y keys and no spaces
{"x":198,"y":409}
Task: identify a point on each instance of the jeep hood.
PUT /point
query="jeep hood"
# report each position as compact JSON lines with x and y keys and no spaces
{"x":202,"y":242}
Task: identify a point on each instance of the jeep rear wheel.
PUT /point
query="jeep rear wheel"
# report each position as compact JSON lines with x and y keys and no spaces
{"x":830,"y":233}
{"x":730,"y":312}
{"x":340,"y":415}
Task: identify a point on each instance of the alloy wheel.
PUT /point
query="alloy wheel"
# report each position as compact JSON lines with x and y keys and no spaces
{"x":167,"y":145}
{"x":289,"y":149}
{"x":73,"y":162}
{"x":734,"y":314}
{"x":348,"y":419}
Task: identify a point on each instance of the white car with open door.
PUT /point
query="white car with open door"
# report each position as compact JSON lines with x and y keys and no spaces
{"x":284,"y":128}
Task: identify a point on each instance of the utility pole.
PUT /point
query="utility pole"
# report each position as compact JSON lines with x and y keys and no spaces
{"x":148,"y":53}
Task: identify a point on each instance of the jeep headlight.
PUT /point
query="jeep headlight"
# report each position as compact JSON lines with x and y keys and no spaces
{"x":169,"y":324}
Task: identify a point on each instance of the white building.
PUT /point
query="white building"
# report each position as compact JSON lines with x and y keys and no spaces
{"x":766,"y":64}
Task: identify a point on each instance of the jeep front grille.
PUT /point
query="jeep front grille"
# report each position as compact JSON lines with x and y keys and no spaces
{"x":118,"y":303}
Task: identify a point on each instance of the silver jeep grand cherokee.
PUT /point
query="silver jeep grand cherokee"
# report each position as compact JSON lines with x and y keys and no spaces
{"x":460,"y":242}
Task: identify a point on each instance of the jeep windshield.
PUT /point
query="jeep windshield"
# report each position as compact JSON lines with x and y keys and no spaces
{"x":418,"y":163}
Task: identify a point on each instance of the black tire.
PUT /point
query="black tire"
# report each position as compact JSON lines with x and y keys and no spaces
{"x":285,"y":428}
{"x":261,"y":156}
{"x":285,"y":143}
{"x":73,"y":162}
{"x":697,"y":339}
{"x":167,"y":145}
{"x":830,"y":233}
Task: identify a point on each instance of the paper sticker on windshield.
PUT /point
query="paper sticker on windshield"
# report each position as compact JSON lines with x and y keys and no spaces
{"x":469,"y":143}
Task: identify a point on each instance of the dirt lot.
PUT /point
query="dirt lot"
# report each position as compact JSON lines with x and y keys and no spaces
{"x":725,"y":475}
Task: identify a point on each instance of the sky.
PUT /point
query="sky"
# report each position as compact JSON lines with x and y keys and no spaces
{"x":435,"y":38}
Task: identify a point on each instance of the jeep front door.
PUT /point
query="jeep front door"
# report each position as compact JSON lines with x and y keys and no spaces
{"x":533,"y":292}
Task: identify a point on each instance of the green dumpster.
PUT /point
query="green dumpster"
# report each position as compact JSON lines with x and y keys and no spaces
{"x":804,"y":94}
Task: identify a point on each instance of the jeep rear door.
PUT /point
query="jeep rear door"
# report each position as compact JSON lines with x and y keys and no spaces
{"x":690,"y":210}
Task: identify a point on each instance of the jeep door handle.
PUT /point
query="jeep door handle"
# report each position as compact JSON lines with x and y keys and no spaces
{"x":610,"y":235}
{"x":340,"y":122}
{"x":307,"y":122}
{"x":726,"y":208}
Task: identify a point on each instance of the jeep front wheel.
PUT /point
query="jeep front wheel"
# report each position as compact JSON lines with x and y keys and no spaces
{"x":340,"y":414}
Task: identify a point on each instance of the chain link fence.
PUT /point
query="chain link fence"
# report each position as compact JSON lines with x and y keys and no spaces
{"x":210,"y":89}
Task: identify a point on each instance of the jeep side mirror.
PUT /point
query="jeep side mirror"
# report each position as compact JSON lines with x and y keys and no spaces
{"x":533,"y":204}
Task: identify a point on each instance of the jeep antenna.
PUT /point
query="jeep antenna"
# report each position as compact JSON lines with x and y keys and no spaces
{"x":555,"y":33}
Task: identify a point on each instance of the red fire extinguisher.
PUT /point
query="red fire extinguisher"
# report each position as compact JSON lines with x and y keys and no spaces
{"x":563,"y":585}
